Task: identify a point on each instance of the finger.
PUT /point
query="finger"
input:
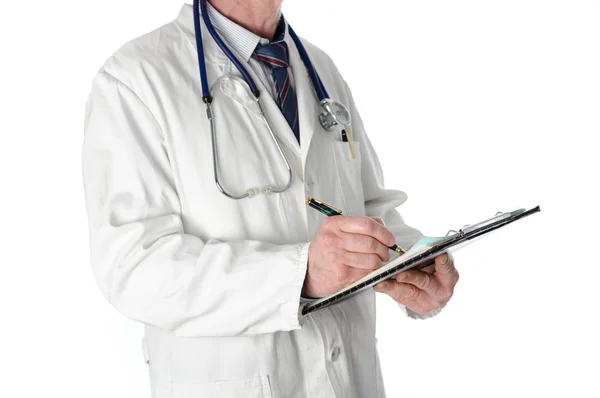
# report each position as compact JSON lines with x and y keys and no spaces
{"x":420,"y":279}
{"x":367,"y":261}
{"x":444,"y":264}
{"x":365,"y":244}
{"x":420,"y":304}
{"x":384,"y":287}
{"x":401,"y":292}
{"x":445,"y":271}
{"x":367,"y":226}
{"x":430,"y":269}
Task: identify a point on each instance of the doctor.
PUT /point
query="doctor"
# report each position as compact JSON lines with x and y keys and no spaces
{"x":196,"y":172}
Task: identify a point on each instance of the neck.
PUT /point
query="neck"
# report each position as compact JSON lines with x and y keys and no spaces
{"x":258,"y":16}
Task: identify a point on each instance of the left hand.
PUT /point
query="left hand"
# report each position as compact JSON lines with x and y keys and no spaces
{"x":423,"y":290}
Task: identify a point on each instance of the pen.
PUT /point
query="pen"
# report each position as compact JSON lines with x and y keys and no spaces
{"x":346,"y":138}
{"x":329,"y":211}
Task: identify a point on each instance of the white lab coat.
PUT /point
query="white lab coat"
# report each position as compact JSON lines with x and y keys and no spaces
{"x":217,"y":281}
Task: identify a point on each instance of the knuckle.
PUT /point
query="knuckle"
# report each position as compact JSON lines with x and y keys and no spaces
{"x":382,"y":251}
{"x":406,"y":276}
{"x":328,"y":239}
{"x":327,"y":222}
{"x":330,"y":222}
{"x":386,"y":256}
{"x":411,"y":292}
{"x":371,"y":245}
{"x":388,"y":235}
{"x":367,"y":225}
{"x":414,"y":292}
{"x":426,"y":281}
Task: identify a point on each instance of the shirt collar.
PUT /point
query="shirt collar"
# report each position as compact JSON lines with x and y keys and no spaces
{"x":241,"y":40}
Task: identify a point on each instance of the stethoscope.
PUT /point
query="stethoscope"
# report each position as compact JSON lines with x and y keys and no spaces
{"x":334,"y":112}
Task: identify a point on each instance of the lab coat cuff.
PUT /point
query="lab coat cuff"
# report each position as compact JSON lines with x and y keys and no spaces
{"x":414,"y":315}
{"x":292,"y":309}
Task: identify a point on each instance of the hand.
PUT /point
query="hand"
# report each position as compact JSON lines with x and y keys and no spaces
{"x":423,"y":290}
{"x":345,"y":249}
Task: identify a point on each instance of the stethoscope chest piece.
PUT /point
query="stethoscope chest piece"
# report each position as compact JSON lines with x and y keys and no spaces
{"x":334,"y":113}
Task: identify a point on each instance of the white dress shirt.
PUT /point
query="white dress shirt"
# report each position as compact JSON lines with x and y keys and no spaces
{"x":243,"y":42}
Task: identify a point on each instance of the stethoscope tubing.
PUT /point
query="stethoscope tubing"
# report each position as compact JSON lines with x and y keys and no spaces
{"x":200,"y":49}
{"x":226,"y":50}
{"x":201,"y":5}
{"x":314,"y":76}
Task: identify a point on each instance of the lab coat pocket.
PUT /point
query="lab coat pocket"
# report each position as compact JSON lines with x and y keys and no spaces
{"x":254,"y":387}
{"x":348,"y":168}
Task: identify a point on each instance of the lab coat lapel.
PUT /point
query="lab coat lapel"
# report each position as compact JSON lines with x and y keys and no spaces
{"x":308,"y":103}
{"x":273,"y":113}
{"x":185,"y":22}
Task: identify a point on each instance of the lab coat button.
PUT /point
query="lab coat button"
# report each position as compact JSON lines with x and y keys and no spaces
{"x":335,"y":353}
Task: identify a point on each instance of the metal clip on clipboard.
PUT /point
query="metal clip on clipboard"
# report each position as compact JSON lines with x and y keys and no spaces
{"x":421,"y":254}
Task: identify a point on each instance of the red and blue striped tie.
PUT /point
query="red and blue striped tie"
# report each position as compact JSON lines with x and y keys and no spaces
{"x":276,"y":56}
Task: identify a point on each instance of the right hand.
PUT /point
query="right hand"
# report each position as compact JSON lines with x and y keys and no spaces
{"x":345,"y":249}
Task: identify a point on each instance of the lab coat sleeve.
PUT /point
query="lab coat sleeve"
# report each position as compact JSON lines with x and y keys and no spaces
{"x":379,"y":201}
{"x":143,"y":260}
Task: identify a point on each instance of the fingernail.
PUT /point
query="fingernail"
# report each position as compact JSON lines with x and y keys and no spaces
{"x":444,"y":259}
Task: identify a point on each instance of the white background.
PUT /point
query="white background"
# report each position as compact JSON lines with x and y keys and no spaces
{"x":502,"y":95}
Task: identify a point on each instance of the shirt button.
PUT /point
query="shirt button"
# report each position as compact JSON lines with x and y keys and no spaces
{"x":335,"y":353}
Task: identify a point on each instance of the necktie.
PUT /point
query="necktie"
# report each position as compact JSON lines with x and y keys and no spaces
{"x":276,"y":56}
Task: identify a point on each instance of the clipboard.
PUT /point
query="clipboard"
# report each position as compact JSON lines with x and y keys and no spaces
{"x":421,"y":255}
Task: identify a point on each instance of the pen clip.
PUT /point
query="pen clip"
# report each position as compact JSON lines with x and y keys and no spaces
{"x":348,"y":138}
